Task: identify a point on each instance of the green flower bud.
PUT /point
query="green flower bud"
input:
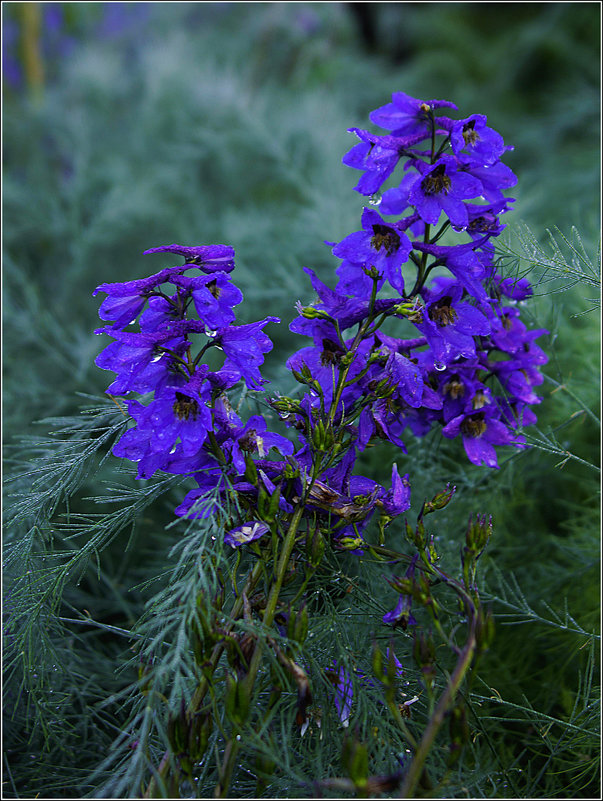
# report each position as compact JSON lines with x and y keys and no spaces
{"x":478,"y":533}
{"x":484,"y":630}
{"x":350,"y":543}
{"x":315,"y":547}
{"x":251,"y":472}
{"x":459,"y":733}
{"x":311,"y":313}
{"x":439,"y":500}
{"x":198,"y":735}
{"x":424,"y":655}
{"x":354,"y":759}
{"x":378,"y":663}
{"x":236,"y":701}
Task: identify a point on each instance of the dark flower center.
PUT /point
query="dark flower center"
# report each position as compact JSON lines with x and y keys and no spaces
{"x":384,"y":237}
{"x":482,"y":224}
{"x":474,"y":426}
{"x":470,"y":135}
{"x":442,"y":312}
{"x":455,"y":387}
{"x":437,"y":181}
{"x":506,"y":321}
{"x":215,"y":290}
{"x":185,"y":407}
{"x":249,"y":441}
{"x":331,"y":353}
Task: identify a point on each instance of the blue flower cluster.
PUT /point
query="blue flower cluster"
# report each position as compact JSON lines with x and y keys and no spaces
{"x":187,"y":425}
{"x":466,"y":361}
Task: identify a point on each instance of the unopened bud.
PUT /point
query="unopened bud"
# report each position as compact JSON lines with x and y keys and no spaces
{"x":236,"y":701}
{"x":315,"y":547}
{"x":417,"y":536}
{"x":350,"y":543}
{"x":484,"y":630}
{"x":200,"y":728}
{"x":424,"y":654}
{"x":478,"y":533}
{"x":311,"y":313}
{"x":440,"y":500}
{"x":459,"y":733}
{"x":354,"y":759}
{"x":378,"y":663}
{"x":372,"y":272}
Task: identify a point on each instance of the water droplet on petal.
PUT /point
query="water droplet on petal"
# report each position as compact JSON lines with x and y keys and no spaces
{"x":375,"y":199}
{"x":439,"y":366}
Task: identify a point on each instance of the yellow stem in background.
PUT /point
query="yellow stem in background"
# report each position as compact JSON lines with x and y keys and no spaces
{"x":33,"y":62}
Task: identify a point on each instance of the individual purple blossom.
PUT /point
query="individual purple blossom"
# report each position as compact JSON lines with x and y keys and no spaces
{"x":377,"y":156}
{"x":449,"y":324}
{"x":212,"y":484}
{"x":254,"y":437}
{"x":514,"y":288}
{"x":465,"y":265}
{"x":382,"y":245}
{"x":406,"y":115}
{"x":340,"y":306}
{"x":480,"y":431}
{"x":344,"y":693}
{"x":244,"y":347}
{"x":141,"y":361}
{"x":483,"y":219}
{"x":442,"y":188}
{"x":474,"y":143}
{"x":493,"y":179}
{"x":213,"y":296}
{"x":401,"y":614}
{"x":207,"y":258}
{"x":176,"y":421}
{"x":246,"y":533}
{"x":397,"y":499}
{"x":126,"y":300}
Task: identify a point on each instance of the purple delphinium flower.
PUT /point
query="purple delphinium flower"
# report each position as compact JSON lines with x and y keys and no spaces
{"x":449,"y":324}
{"x":397,"y":499}
{"x":406,"y":115}
{"x":248,"y":532}
{"x":207,"y":258}
{"x":480,"y":431}
{"x":176,"y":421}
{"x":474,"y":143}
{"x":493,"y":179}
{"x":244,"y":347}
{"x":466,"y":267}
{"x":381,"y":245}
{"x":377,"y":156}
{"x":344,"y":692}
{"x":254,"y":437}
{"x":513,"y":288}
{"x":126,"y":300}
{"x":141,"y":361}
{"x":214,"y":297}
{"x":442,"y":188}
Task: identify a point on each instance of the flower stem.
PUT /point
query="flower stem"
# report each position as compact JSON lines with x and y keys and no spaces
{"x":232,"y":747}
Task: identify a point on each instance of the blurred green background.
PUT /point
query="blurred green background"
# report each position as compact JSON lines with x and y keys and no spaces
{"x":129,"y":126}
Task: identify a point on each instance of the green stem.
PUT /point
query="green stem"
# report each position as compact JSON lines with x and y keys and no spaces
{"x":465,"y":659}
{"x":233,"y":746}
{"x":203,"y":687}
